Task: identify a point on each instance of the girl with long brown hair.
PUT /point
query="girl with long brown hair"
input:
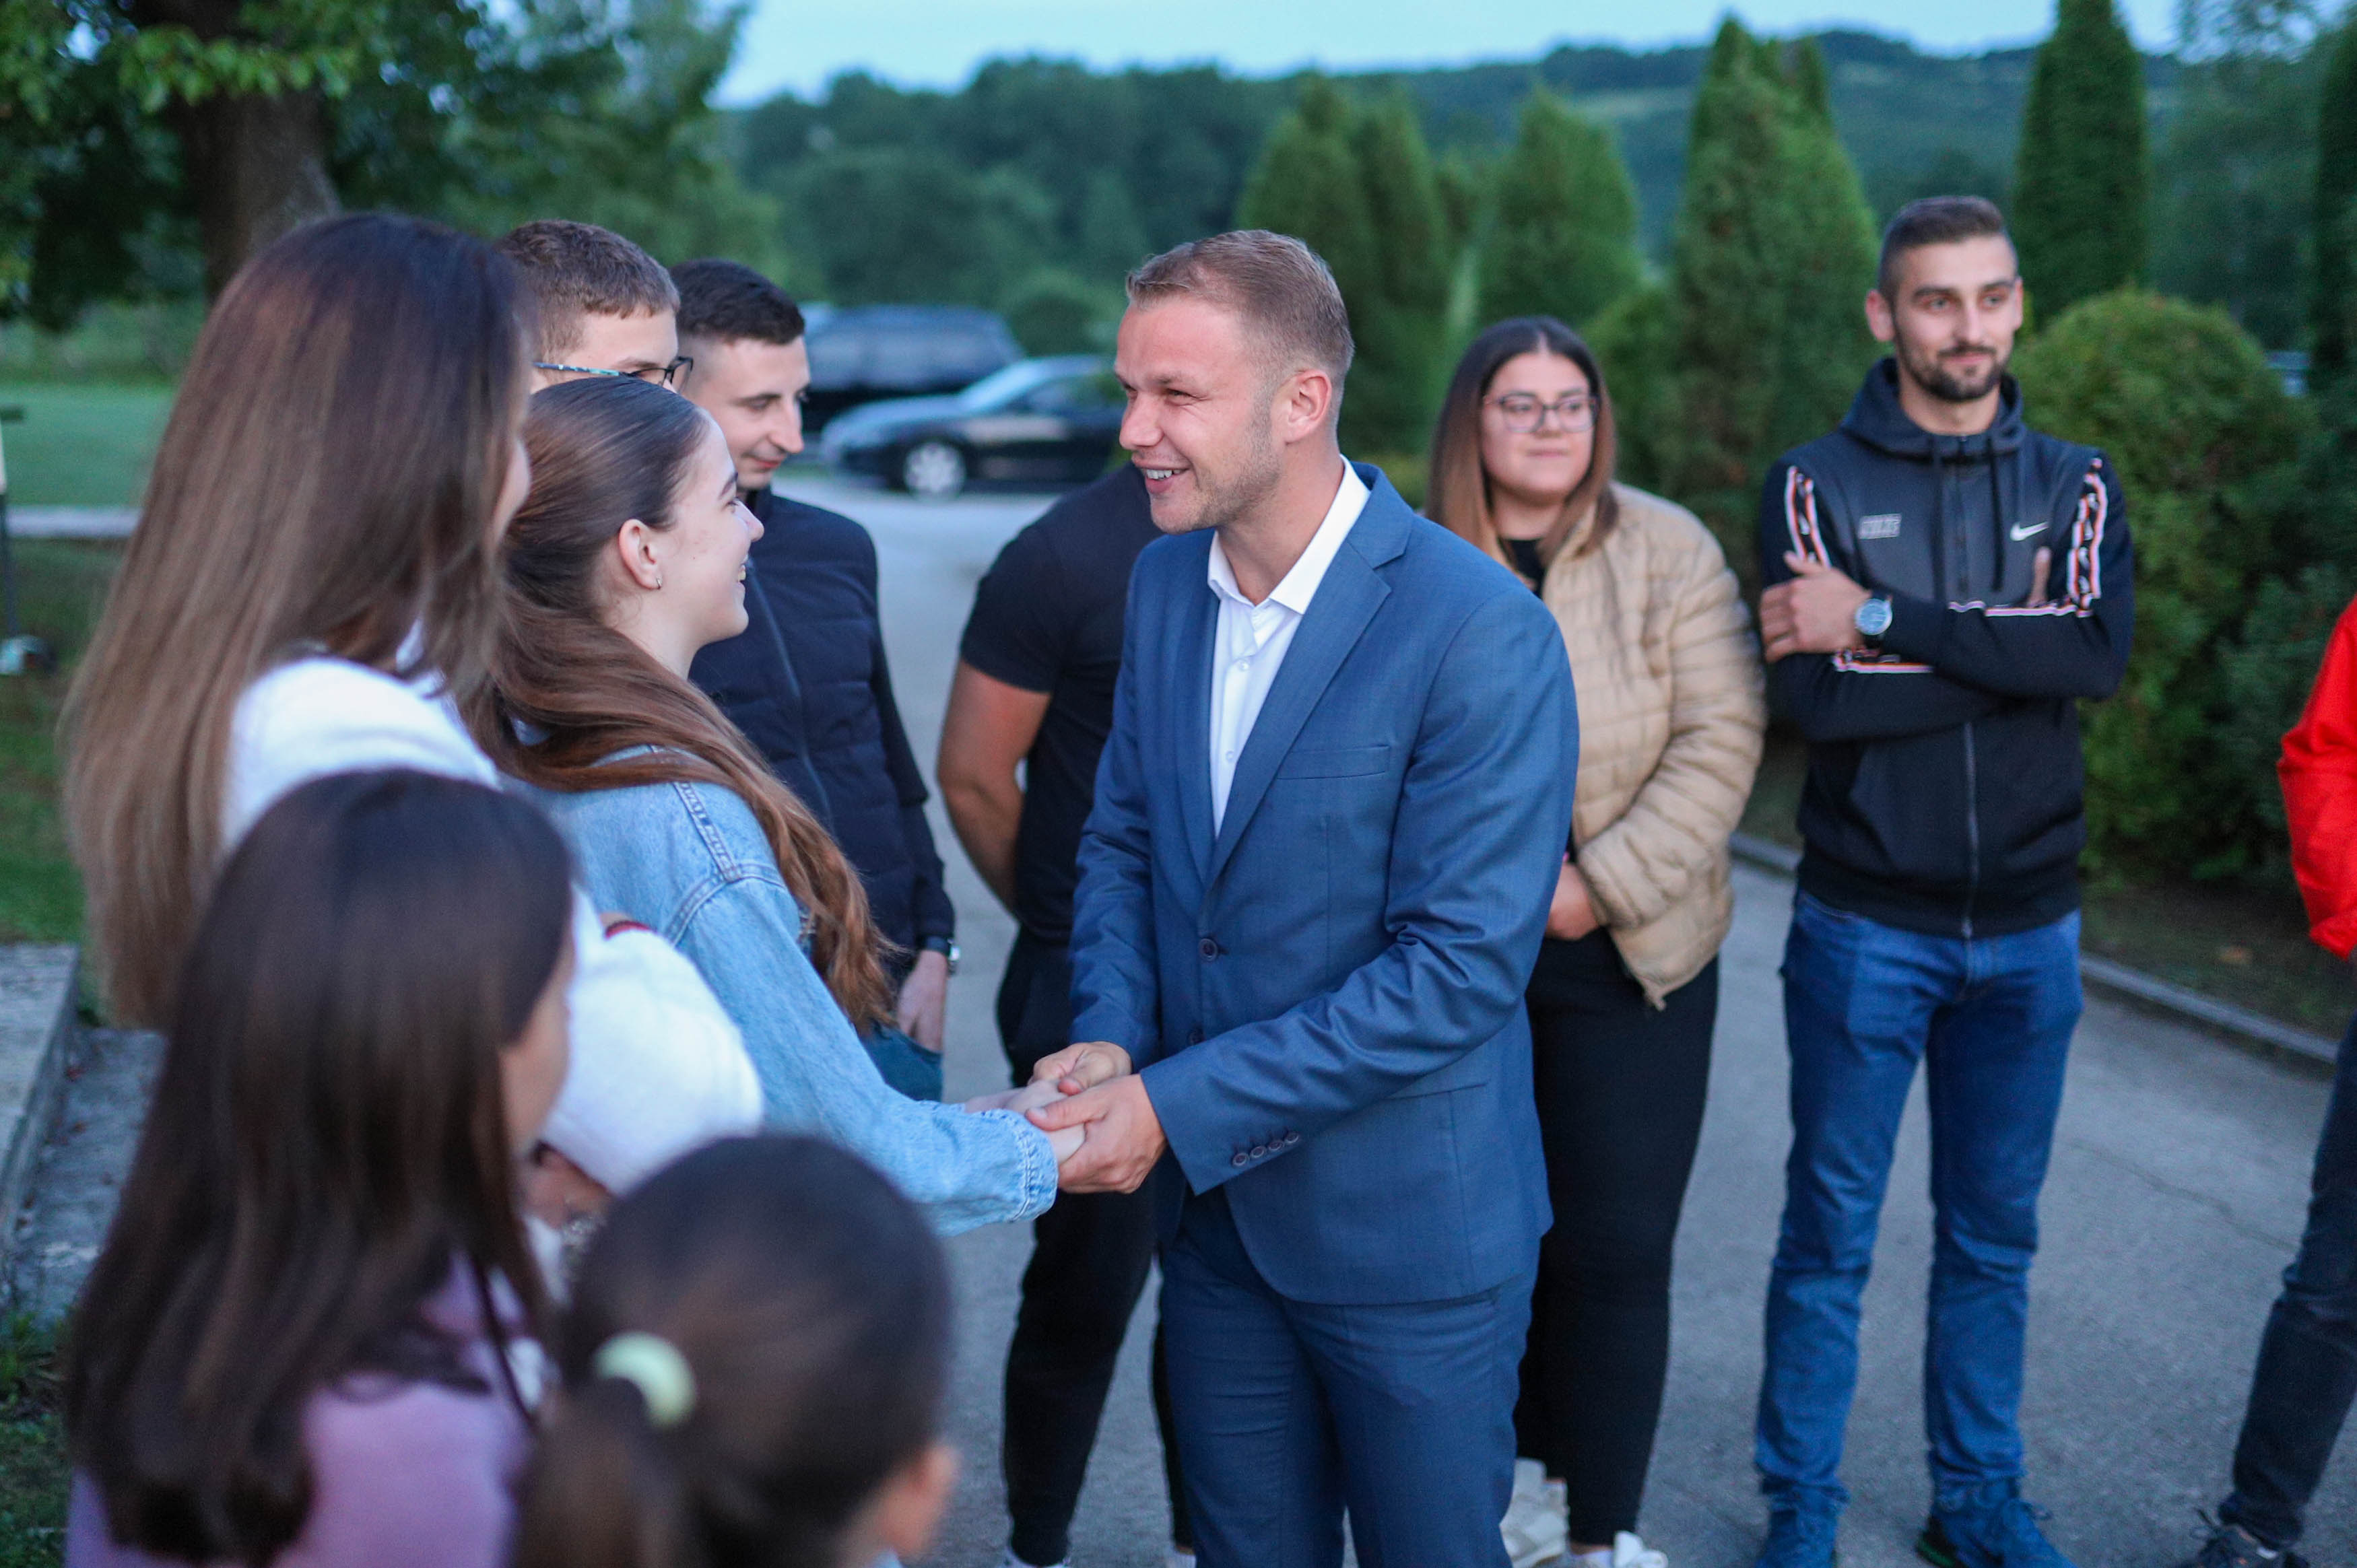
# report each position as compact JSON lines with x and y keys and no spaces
{"x":305,"y":1341}
{"x":629,"y":556}
{"x":312,"y":587}
{"x":1626,"y":988}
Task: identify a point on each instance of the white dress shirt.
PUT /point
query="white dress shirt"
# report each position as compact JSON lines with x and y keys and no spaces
{"x":1250,"y":643}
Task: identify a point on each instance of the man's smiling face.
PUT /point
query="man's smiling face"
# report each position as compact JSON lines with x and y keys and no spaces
{"x":1956,"y":315}
{"x":1200,"y":423}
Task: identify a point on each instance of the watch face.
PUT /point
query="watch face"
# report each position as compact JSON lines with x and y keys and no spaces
{"x":1874,"y":617}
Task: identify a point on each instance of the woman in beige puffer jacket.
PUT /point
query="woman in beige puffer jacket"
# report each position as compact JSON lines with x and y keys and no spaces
{"x":1626,"y":988}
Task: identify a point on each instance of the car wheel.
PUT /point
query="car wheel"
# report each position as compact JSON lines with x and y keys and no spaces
{"x":934,"y":469}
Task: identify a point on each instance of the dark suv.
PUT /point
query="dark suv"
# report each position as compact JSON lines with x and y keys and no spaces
{"x":864,"y":352}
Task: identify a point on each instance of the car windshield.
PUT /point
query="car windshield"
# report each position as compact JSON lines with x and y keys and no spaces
{"x":1002,"y":386}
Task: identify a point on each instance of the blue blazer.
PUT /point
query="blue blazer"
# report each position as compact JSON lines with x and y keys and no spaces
{"x":1325,"y":998}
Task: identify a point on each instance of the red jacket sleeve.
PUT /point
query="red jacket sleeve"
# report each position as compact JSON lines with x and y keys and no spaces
{"x":2319,"y":784}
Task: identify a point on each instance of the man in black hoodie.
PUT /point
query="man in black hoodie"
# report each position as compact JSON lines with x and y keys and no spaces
{"x":1945,"y":584}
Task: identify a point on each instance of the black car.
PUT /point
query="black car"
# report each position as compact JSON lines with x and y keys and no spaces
{"x":864,"y":352}
{"x":1053,"y":420}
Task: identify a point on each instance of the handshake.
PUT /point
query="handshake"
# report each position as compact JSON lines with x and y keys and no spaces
{"x":1096,"y":1114}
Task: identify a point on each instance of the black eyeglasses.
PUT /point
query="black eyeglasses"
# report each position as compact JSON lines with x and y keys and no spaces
{"x":670,"y":375}
{"x":1525,"y":412}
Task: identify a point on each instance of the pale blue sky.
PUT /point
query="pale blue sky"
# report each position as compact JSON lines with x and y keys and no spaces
{"x":801,"y":43}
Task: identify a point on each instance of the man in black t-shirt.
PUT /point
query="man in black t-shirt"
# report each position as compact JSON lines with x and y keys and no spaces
{"x":1034,"y":687}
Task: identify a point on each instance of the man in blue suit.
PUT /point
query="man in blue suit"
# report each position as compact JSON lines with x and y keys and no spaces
{"x":1327,"y":822}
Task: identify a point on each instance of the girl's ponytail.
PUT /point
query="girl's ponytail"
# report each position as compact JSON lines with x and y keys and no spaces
{"x":603,"y":1490}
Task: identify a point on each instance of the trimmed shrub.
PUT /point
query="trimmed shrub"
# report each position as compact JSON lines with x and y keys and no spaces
{"x":2204,"y":439}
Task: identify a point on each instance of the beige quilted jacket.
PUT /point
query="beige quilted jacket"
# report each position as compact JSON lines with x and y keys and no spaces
{"x":1672,"y":704}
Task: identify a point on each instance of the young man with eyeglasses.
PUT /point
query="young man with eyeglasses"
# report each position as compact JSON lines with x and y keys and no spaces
{"x":1945,"y":585}
{"x":607,"y":308}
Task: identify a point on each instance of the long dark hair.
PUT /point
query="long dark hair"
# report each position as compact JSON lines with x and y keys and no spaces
{"x":328,"y":1139}
{"x":1458,"y":487}
{"x":811,"y":1303}
{"x":604,"y":451}
{"x":327,"y":478}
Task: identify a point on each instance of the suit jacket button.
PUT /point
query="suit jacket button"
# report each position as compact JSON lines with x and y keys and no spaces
{"x":1292,"y":1138}
{"x":1194,"y":1036}
{"x":1207,"y":948}
{"x":1259,"y":1151}
{"x":1240,"y":1159}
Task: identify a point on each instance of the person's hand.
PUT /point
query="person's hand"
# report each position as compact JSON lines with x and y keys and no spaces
{"x":1571,"y":916}
{"x":1085,"y":1066}
{"x":1814,"y":612}
{"x":2039,"y":564}
{"x":558,"y":1192}
{"x":925,"y":1000}
{"x":1031,"y":1096}
{"x":1124,"y":1136}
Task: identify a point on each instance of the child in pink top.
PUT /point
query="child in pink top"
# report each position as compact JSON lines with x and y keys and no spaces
{"x":309,"y":1340}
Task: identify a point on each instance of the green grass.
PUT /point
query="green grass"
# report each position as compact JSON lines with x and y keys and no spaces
{"x":34,"y":1470}
{"x":81,"y":445}
{"x":60,"y":586}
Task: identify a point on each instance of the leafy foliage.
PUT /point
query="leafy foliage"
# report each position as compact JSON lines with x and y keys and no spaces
{"x":1562,"y":239}
{"x":2235,"y":180}
{"x":2082,"y":181}
{"x":2204,"y":440}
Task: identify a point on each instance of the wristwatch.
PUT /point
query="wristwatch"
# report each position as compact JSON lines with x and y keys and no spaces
{"x":1873,"y":619}
{"x":945,"y":946}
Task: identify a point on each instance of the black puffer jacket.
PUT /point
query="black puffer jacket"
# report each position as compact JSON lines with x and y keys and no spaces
{"x":1945,"y":777}
{"x":808,"y":685}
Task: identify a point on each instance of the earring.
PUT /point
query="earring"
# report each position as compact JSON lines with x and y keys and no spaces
{"x":658,"y":585}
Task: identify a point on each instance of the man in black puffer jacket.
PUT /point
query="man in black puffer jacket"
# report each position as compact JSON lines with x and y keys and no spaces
{"x":806,"y":681}
{"x":1945,"y":584}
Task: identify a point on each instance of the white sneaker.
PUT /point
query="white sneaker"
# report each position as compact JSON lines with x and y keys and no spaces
{"x":1535,"y":1528}
{"x":1629,"y":1551}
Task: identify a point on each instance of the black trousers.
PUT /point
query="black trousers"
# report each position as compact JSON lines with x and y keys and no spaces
{"x":1621,"y":1088}
{"x":2307,"y":1377}
{"x":1090,"y":1256}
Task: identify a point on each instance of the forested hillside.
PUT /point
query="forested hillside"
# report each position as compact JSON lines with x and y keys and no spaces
{"x":1097,"y":166}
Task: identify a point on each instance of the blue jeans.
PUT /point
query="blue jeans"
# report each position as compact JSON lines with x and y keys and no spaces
{"x":1288,"y":1412}
{"x":905,"y":1065}
{"x":1992,"y":1018}
{"x":2307,"y":1376}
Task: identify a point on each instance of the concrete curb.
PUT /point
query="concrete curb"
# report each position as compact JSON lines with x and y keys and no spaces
{"x":39,"y":1026}
{"x":2118,"y":979}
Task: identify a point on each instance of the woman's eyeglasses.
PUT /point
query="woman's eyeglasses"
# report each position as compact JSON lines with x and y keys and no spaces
{"x":1525,"y":412}
{"x":670,"y":375}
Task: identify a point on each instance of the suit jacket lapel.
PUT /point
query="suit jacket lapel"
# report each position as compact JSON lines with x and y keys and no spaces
{"x":1346,"y":601}
{"x":1191,"y":648}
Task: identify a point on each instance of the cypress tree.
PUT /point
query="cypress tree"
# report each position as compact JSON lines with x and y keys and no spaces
{"x":1562,"y":241}
{"x":1773,"y":252}
{"x":1810,"y":81}
{"x":1359,"y":190}
{"x":2082,"y":183}
{"x":2333,"y":275}
{"x":1394,"y":388}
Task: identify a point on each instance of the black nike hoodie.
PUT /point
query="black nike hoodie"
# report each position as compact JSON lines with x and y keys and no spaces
{"x":1945,"y":787}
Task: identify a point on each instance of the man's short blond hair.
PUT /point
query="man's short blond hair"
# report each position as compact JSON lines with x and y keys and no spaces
{"x":577,"y":270}
{"x":1292,"y":308}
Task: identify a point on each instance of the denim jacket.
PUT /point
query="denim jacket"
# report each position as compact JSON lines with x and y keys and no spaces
{"x":690,"y":861}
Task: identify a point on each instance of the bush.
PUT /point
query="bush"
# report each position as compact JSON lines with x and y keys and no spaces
{"x":1053,"y":312}
{"x":2204,"y":439}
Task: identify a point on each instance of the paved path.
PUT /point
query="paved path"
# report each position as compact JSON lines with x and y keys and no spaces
{"x":2175,"y":1199}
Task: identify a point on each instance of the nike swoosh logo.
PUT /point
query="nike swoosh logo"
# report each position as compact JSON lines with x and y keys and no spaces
{"x":2021,"y":534}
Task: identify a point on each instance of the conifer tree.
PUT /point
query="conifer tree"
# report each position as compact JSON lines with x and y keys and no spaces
{"x":1772,"y":254}
{"x":2331,"y":306}
{"x":1394,"y":385}
{"x":1563,"y":240}
{"x":2082,"y":181}
{"x":1317,"y":179}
